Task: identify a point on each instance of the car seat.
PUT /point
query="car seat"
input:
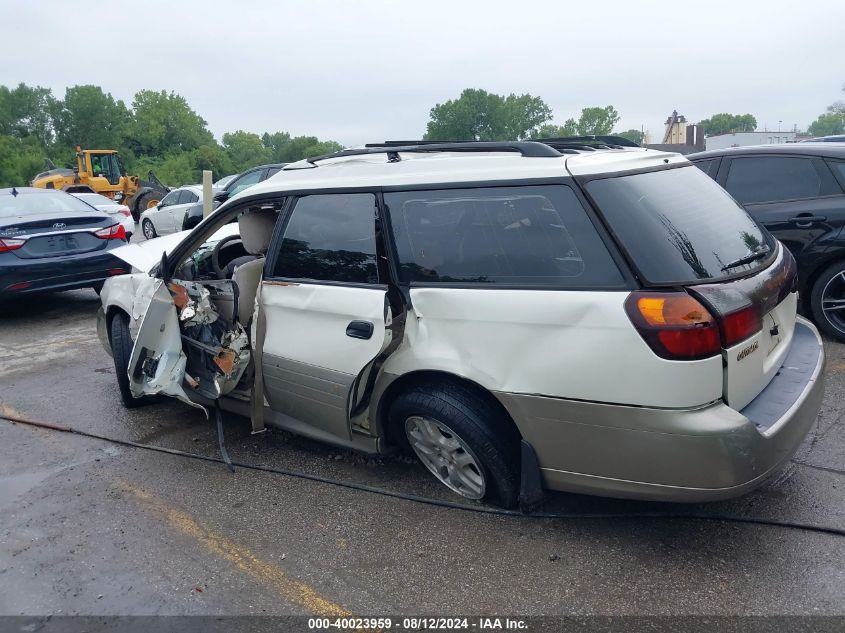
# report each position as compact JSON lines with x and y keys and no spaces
{"x":256,"y":229}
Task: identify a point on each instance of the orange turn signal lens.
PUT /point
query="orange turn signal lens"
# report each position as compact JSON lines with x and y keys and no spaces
{"x":674,"y":324}
{"x":672,"y":309}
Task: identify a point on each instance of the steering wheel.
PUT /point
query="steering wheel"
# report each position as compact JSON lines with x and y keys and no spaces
{"x":220,"y":271}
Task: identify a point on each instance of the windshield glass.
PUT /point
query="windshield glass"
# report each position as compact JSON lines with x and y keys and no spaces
{"x":40,"y":203}
{"x":97,"y":200}
{"x":679,"y":226}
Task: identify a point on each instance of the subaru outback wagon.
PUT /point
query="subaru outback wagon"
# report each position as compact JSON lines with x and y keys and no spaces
{"x":582,"y":316}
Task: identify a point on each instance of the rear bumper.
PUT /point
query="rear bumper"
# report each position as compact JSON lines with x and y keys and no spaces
{"x":704,"y":454}
{"x":56,"y":273}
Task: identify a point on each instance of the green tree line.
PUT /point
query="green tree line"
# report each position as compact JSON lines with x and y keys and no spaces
{"x":158,"y":131}
{"x":831,"y":122}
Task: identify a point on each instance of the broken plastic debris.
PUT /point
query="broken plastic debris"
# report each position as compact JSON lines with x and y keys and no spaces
{"x":225,"y":360}
{"x":193,"y":302}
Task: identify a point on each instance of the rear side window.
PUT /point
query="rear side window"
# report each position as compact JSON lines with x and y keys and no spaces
{"x":187,"y":197}
{"x":708,"y":166}
{"x":531,"y":235}
{"x":330,"y":238}
{"x":772,"y":178}
{"x":838,"y":168}
{"x":678,"y":225}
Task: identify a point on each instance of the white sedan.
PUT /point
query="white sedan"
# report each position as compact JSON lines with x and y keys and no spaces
{"x":120,"y":212}
{"x":169,"y":215}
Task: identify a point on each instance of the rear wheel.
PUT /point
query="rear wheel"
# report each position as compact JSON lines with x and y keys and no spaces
{"x":121,"y":349}
{"x":827,"y":301}
{"x":464,"y":441}
{"x":148,"y":229}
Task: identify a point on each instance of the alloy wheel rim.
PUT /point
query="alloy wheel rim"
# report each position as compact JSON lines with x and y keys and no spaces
{"x":833,"y":301}
{"x":148,"y":230}
{"x":447,"y":456}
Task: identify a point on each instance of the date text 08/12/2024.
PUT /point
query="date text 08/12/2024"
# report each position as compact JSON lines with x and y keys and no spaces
{"x":417,"y":623}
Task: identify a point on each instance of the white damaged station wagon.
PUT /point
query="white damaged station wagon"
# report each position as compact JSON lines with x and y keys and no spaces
{"x":574,"y":315}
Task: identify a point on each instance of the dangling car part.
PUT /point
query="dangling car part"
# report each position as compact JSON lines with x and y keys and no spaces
{"x":183,"y":342}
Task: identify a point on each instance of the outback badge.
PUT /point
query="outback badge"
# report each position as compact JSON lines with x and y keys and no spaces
{"x":747,"y":351}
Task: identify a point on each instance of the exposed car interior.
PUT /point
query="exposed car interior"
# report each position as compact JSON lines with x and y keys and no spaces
{"x":214,"y":292}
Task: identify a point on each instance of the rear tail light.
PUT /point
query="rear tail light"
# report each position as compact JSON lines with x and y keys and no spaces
{"x":675,"y":326}
{"x":124,"y":210}
{"x":738,"y":326}
{"x":9,"y":244}
{"x":113,"y":232}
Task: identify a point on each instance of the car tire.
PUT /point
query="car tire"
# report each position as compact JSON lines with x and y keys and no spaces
{"x":121,"y":349}
{"x":829,"y":287}
{"x":466,"y":442}
{"x":142,"y":204}
{"x":148,"y":229}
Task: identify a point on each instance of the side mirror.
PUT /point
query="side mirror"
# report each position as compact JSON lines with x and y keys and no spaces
{"x":221,"y":196}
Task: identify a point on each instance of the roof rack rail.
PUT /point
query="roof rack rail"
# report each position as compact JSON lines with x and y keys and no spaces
{"x":528,"y":149}
{"x":590,"y":140}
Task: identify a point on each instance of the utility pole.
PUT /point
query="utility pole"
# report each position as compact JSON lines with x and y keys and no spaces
{"x":207,"y":200}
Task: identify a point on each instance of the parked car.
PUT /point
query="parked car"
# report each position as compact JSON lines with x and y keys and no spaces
{"x":230,"y":186}
{"x":170,"y":215}
{"x":834,"y":138}
{"x":797,"y":191}
{"x":225,"y":180}
{"x":518,"y":316}
{"x":247,"y":179}
{"x":119,"y":212}
{"x":50,"y":240}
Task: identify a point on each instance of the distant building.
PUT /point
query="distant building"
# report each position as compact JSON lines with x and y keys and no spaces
{"x":676,"y":129}
{"x":741,"y":139}
{"x":679,"y":136}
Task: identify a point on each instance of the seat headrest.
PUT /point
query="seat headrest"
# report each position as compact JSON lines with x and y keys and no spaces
{"x":256,"y":229}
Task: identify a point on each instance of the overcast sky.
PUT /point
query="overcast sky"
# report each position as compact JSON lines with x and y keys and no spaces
{"x":369,"y":70}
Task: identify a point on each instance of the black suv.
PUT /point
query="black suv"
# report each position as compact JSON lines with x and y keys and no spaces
{"x":236,"y":185}
{"x":797,"y":191}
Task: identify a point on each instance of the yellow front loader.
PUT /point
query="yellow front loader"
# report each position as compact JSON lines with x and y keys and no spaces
{"x":101,"y":171}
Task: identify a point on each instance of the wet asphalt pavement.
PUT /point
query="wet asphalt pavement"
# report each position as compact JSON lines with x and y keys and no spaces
{"x":89,"y":527}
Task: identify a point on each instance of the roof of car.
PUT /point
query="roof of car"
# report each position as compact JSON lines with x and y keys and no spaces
{"x":832,"y":150}
{"x":279,"y":165}
{"x":378,"y":170}
{"x":8,"y":190}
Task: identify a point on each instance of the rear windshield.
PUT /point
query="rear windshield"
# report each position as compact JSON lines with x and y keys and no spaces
{"x":679,"y":226}
{"x":96,"y":199}
{"x":41,"y":203}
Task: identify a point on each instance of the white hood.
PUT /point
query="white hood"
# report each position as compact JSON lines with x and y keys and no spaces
{"x":144,"y":255}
